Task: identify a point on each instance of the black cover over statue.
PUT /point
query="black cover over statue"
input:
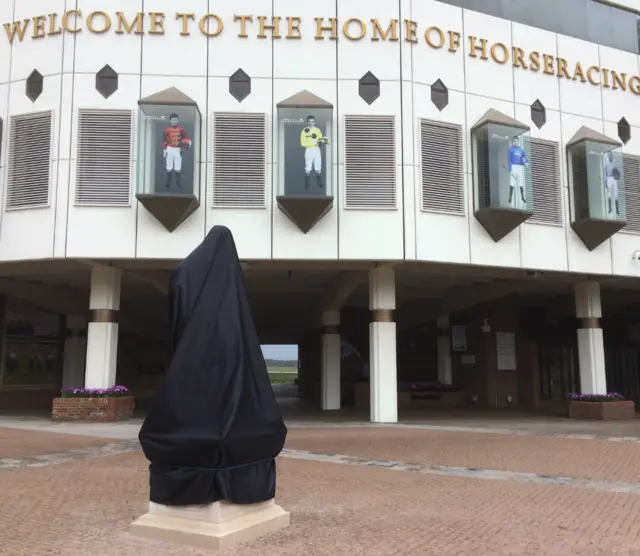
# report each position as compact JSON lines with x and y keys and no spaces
{"x":215,"y":426}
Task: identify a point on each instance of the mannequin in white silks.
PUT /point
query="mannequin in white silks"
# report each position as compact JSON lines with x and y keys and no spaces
{"x":611,"y":177}
{"x":517,"y":163}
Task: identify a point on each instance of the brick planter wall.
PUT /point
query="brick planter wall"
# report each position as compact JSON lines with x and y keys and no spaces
{"x":602,"y":411}
{"x":93,"y":409}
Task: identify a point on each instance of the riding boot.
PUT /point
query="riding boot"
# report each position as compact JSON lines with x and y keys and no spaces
{"x":617,"y":208}
{"x":178,"y":180}
{"x":510,"y":194}
{"x":524,"y":200}
{"x":319,"y":180}
{"x":169,"y":178}
{"x":609,"y":206}
{"x":307,"y":179}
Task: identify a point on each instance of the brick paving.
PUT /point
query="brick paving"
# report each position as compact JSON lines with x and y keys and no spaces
{"x":16,"y":443}
{"x":609,"y":461}
{"x":80,"y":507}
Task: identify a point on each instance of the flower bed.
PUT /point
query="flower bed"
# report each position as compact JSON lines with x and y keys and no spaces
{"x":602,"y":407}
{"x":94,"y":404}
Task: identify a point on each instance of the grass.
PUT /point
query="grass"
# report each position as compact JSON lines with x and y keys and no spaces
{"x":282,"y":375}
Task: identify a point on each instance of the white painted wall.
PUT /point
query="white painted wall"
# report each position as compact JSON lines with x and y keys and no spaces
{"x":330,"y":69}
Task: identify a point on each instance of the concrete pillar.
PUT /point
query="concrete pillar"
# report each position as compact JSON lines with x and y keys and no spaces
{"x":75,"y":352}
{"x":593,"y":377}
{"x":330,"y":371}
{"x":444,"y":350}
{"x":102,"y":336}
{"x":382,"y":346}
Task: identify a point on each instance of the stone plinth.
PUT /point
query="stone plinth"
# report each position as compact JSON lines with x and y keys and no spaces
{"x":602,"y":411}
{"x":217,"y":526}
{"x":93,"y":409}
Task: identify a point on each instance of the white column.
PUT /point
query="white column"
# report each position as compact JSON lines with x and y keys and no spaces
{"x":102,"y":336}
{"x":330,"y":372}
{"x":75,"y":352}
{"x":444,"y":350}
{"x":382,"y":346}
{"x":593,"y":378}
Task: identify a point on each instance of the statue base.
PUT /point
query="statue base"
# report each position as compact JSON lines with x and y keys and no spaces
{"x":216,"y":526}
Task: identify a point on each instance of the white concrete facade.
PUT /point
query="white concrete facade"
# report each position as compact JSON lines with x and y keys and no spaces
{"x":593,"y":376}
{"x":408,"y":45}
{"x":382,"y":346}
{"x":330,"y":371}
{"x":102,"y":335}
{"x":331,"y":69}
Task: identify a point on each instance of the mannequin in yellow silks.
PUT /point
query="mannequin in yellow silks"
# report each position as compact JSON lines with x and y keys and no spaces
{"x":311,"y":139}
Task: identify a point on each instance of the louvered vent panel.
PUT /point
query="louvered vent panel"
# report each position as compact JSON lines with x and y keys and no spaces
{"x":442,"y":167}
{"x":239,"y":160}
{"x":103,"y":163}
{"x":545,"y":177}
{"x":29,"y":160}
{"x":370,"y":162}
{"x":631,"y":170}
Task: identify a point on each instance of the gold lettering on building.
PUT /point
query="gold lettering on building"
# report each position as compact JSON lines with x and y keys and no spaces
{"x":474,"y":47}
{"x":273,"y":27}
{"x":579,"y":73}
{"x":243,"y":24}
{"x":534,"y":60}
{"x":435,"y":37}
{"x":184,"y":19}
{"x":454,"y":41}
{"x":293,"y":28}
{"x":54,"y":28}
{"x":548,"y":64}
{"x":38,"y":27}
{"x":136,"y":26}
{"x":360,"y":29}
{"x":102,"y":25}
{"x":562,"y":71}
{"x":593,"y":75}
{"x":390,"y":33}
{"x":65,"y":21}
{"x":322,"y":28}
{"x":353,"y":29}
{"x":411,"y":30}
{"x":499,"y":53}
{"x":156,"y":23}
{"x":518,"y":58}
{"x":205,"y":23}
{"x":619,"y":80}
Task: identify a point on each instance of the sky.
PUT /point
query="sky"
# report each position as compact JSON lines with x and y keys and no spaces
{"x":280,"y":352}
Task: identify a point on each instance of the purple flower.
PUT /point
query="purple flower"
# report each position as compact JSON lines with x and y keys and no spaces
{"x":608,"y":397}
{"x":112,"y":392}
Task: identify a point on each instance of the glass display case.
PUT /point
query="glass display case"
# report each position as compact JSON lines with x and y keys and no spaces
{"x":305,"y":158}
{"x":503,"y":189}
{"x":168,"y":156}
{"x":304,"y":151}
{"x":597,"y":185}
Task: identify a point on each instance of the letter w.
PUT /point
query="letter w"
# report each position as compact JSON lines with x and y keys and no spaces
{"x":19,"y":27}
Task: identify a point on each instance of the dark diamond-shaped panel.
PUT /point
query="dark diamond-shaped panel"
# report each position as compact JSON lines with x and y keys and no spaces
{"x":369,"y":87}
{"x":304,"y":211}
{"x":624,"y":130}
{"x":240,"y":85}
{"x":538,"y":114}
{"x":501,"y":221}
{"x":439,"y":95}
{"x":107,"y":81}
{"x":35,"y":84}
{"x":169,"y":210}
{"x":594,"y":231}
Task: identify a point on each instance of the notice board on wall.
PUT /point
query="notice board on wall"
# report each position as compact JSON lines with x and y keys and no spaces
{"x":506,"y":351}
